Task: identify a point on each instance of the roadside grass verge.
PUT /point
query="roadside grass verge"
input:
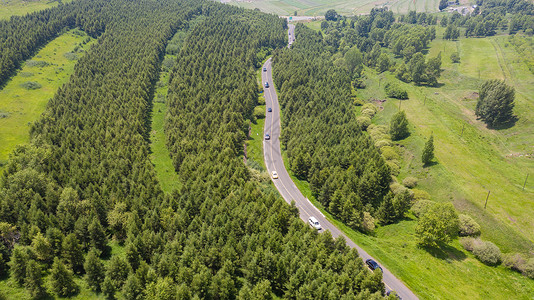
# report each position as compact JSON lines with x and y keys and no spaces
{"x":50,"y":68}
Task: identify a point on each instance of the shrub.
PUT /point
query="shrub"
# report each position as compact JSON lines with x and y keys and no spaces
{"x":468,"y":226}
{"x":37,"y":63}
{"x":514,"y":261}
{"x":421,"y":207}
{"x":368,"y":113}
{"x":389,"y":153}
{"x":455,"y":57}
{"x":259,"y":112}
{"x":397,"y":188}
{"x":383,"y":143}
{"x":395,"y":91}
{"x":3,"y":114}
{"x":529,"y":269}
{"x":370,"y":106}
{"x":468,"y":243}
{"x":410,"y":182}
{"x":368,"y":224}
{"x":420,"y":195}
{"x":31,"y":85}
{"x":393,"y":167}
{"x":70,"y":56}
{"x":364,"y":121}
{"x":487,"y":252}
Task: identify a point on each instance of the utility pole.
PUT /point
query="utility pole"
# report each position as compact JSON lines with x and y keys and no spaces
{"x":461,"y":134}
{"x":485,"y":204}
{"x":525,"y":182}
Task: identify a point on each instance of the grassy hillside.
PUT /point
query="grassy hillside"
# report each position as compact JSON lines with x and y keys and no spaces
{"x":345,"y":7}
{"x":10,"y":8}
{"x":50,"y":68}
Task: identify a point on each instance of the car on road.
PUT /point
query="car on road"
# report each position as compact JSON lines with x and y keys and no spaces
{"x":274,"y":175}
{"x":269,"y":109}
{"x":264,"y":69}
{"x":373,"y":265}
{"x":314,"y":223}
{"x":266,"y":84}
{"x":267,"y":136}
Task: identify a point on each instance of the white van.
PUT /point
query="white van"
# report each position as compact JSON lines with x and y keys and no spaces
{"x":314,"y":223}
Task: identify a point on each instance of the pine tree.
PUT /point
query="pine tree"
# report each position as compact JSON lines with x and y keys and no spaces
{"x":42,"y":248}
{"x":61,"y":280}
{"x":33,"y":280}
{"x":428,"y":151}
{"x":72,"y":253}
{"x":94,"y":270}
{"x":399,"y":126}
{"x":495,"y":103}
{"x":386,"y":212}
{"x":132,"y":288}
{"x":97,"y":235}
{"x":18,"y":264}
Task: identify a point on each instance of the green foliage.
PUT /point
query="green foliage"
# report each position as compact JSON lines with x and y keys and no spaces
{"x":443,"y":4}
{"x":42,"y":249}
{"x":18,"y":264}
{"x":72,"y":253}
{"x":529,"y":269}
{"x":394,"y":90}
{"x":331,"y":15}
{"x":62,"y":280}
{"x":354,"y":61}
{"x":455,"y":57}
{"x":514,"y":261}
{"x":451,"y":33}
{"x":398,"y":127}
{"x":428,"y":151}
{"x":94,"y":270}
{"x":468,"y":226}
{"x":495,"y":103}
{"x":33,"y":280}
{"x":31,"y":85}
{"x":409,"y":182}
{"x":438,"y":225}
{"x":487,"y":252}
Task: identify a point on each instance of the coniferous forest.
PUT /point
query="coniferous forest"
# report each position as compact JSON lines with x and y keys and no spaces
{"x":85,"y":181}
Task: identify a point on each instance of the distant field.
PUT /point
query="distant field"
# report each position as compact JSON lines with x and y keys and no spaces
{"x":344,"y":7}
{"x":10,"y":8}
{"x":50,"y":68}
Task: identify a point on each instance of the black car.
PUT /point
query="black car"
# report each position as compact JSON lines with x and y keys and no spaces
{"x":269,"y":109}
{"x":372,"y":265}
{"x":267,"y":136}
{"x":264,"y":69}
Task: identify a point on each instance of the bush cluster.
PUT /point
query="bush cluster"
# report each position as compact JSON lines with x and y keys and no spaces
{"x":468,"y":226}
{"x":395,"y":91}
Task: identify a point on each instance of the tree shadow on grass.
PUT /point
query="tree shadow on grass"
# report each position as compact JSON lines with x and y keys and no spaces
{"x":446,"y":252}
{"x":509,"y":124}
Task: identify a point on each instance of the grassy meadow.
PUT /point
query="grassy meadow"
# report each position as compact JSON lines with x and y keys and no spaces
{"x":160,"y":155}
{"x":10,"y":8}
{"x":344,"y":7}
{"x":19,"y":104}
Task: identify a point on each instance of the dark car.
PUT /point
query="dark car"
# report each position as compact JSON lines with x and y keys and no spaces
{"x":264,"y":69}
{"x":269,"y":109}
{"x":267,"y":136}
{"x":372,"y":265}
{"x":266,"y":84}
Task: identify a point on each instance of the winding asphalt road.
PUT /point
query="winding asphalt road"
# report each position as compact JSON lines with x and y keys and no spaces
{"x":288,"y":189}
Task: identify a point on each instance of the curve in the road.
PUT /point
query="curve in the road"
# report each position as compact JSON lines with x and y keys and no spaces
{"x":287,"y":188}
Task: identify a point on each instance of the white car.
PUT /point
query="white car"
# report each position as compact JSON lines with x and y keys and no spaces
{"x":274,"y":175}
{"x":314,"y":223}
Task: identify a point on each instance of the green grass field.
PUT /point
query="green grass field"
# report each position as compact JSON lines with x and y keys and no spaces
{"x":160,"y":155}
{"x":22,"y":106}
{"x":10,"y":8}
{"x":344,"y":7}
